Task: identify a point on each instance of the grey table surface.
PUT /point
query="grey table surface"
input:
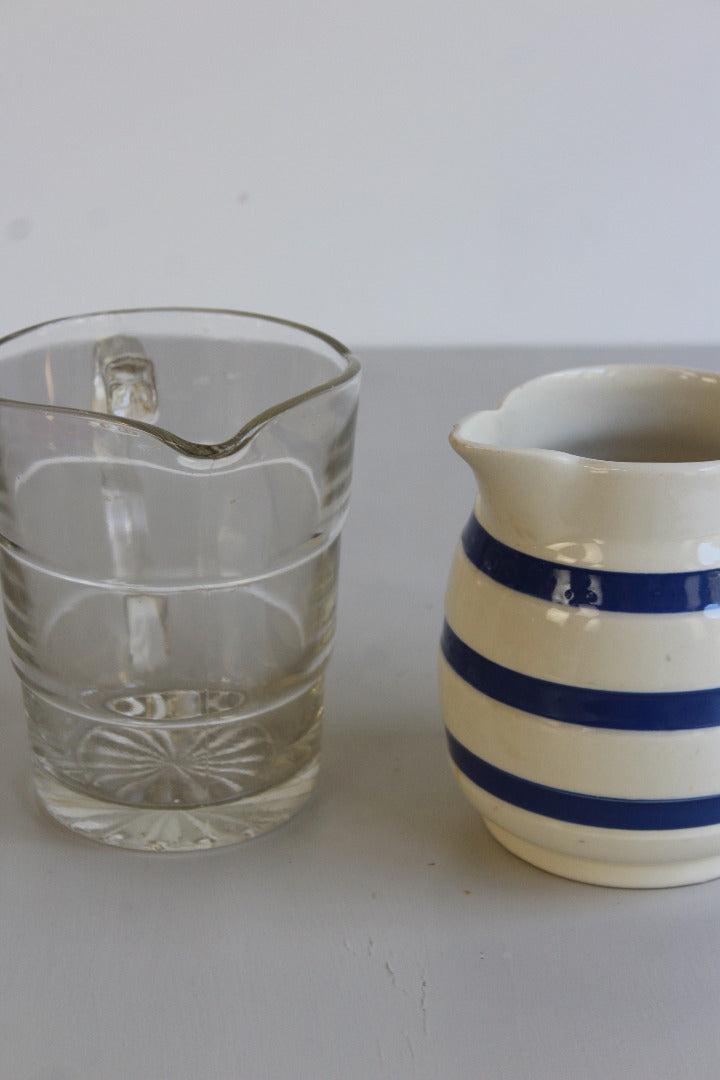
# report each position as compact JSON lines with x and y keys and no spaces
{"x":382,"y":933}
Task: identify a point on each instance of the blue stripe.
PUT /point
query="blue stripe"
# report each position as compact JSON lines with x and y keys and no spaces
{"x":610,"y":590}
{"x":595,"y":810}
{"x":624,"y":710}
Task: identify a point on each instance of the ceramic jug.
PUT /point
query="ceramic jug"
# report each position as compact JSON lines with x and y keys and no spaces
{"x":580,"y":655}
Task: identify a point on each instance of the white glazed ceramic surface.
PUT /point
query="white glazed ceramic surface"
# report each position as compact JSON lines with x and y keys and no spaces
{"x":580,"y":659}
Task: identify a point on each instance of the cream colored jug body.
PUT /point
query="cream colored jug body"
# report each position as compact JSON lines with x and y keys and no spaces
{"x":580,"y":658}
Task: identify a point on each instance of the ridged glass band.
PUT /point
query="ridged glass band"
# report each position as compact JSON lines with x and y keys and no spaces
{"x":572,"y":586}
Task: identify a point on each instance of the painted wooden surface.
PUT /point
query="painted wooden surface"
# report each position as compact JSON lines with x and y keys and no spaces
{"x":382,"y":933}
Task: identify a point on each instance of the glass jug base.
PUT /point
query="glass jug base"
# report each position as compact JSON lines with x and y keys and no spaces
{"x":170,"y":831}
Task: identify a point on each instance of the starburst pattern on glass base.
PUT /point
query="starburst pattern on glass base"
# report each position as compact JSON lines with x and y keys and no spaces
{"x":176,"y":767}
{"x":176,"y":830}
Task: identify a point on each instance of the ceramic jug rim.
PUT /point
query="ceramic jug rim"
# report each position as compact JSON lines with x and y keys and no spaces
{"x":627,"y":375}
{"x":240,"y":439}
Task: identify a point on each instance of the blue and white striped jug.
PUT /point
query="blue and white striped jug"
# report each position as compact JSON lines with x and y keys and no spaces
{"x":580,"y":655}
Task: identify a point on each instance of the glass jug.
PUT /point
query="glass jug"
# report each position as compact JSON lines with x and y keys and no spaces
{"x":173,"y":484}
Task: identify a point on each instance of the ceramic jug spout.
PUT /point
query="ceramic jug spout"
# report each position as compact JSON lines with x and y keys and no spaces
{"x":477,"y":440}
{"x":525,"y":494}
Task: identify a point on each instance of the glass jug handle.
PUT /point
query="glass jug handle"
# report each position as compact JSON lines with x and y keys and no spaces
{"x":124,"y":381}
{"x":124,"y":385}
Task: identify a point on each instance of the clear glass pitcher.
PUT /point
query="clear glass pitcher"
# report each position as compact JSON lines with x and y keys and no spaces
{"x":173,"y":484}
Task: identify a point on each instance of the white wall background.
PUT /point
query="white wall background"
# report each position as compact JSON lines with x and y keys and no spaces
{"x":393,"y":171}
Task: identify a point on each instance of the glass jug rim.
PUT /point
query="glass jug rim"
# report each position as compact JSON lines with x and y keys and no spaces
{"x":187,"y":447}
